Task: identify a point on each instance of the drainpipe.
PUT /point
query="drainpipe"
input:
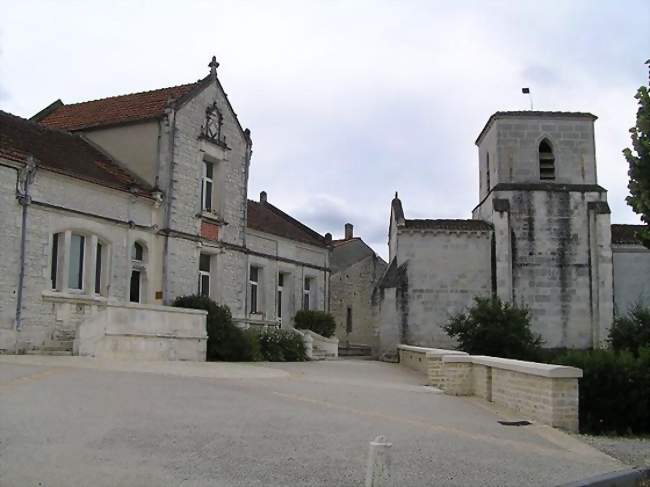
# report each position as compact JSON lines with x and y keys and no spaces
{"x":25,"y":179}
{"x":171,"y":113}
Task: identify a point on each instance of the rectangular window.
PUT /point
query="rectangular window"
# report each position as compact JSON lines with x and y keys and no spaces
{"x":488,"y":171}
{"x":76,"y":266}
{"x":55,"y":259}
{"x":254,"y":284}
{"x":206,"y":186}
{"x":98,"y":269}
{"x":204,"y":275}
{"x":348,"y":320}
{"x":134,"y":295}
{"x":280,"y":289}
{"x":306,"y":294}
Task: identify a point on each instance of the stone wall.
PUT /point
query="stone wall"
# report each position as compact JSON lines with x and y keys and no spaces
{"x":631,"y":271}
{"x":296,"y":261}
{"x":445,"y":270}
{"x":543,"y":392}
{"x":144,"y":332}
{"x":59,"y":204}
{"x":352,"y":288}
{"x":555,"y":264}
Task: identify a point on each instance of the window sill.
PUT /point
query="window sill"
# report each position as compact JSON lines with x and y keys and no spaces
{"x":213,"y":217}
{"x":73,"y":297}
{"x":219,"y":143}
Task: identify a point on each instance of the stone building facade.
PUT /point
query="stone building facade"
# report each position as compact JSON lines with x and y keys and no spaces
{"x":356,"y":270}
{"x":151,"y":189}
{"x":540,"y":237}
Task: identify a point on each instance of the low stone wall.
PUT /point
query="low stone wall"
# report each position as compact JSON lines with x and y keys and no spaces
{"x":544,"y":392}
{"x":145,"y":332}
{"x":426,"y":360}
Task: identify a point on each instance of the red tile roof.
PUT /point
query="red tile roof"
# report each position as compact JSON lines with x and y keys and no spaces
{"x":64,"y":153}
{"x":267,"y":218}
{"x":112,"y":111}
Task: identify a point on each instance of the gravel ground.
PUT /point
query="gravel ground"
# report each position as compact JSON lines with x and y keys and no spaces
{"x":633,"y":451}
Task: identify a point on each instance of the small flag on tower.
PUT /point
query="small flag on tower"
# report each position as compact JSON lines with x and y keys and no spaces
{"x":525,"y":91}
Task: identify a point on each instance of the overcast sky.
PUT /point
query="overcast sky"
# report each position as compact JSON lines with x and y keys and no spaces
{"x":349,"y":101}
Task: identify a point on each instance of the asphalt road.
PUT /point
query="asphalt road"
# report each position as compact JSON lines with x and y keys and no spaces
{"x":68,"y":421}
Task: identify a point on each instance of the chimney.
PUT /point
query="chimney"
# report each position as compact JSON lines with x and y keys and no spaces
{"x":349,"y":231}
{"x":263,"y":197}
{"x":328,"y":238}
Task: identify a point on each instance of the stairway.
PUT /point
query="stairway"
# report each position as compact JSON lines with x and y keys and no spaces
{"x":355,"y":351}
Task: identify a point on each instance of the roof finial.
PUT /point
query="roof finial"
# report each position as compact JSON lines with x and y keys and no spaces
{"x":396,"y":195}
{"x":213,"y":66}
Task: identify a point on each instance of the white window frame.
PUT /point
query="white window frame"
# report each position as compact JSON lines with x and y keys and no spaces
{"x":60,"y":271}
{"x":256,"y":285}
{"x":307,"y":293}
{"x":205,"y":180}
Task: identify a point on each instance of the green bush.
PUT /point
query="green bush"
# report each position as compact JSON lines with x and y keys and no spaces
{"x":282,"y":346}
{"x":317,"y":321}
{"x":225,"y":340}
{"x":632,"y":331}
{"x":614,"y":390}
{"x":491,"y":327}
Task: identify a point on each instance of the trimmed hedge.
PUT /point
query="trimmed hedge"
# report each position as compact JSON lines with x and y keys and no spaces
{"x":492,"y":327}
{"x":225,"y":340}
{"x":614,"y":391}
{"x":317,"y":321}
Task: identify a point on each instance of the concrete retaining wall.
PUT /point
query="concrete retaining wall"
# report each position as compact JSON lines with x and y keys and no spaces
{"x":145,"y":332}
{"x":543,"y":392}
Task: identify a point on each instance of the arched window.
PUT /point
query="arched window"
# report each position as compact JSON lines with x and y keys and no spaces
{"x":546,"y":161}
{"x":137,"y":284}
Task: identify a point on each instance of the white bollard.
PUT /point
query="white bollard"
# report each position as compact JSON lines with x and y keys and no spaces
{"x":378,"y":469}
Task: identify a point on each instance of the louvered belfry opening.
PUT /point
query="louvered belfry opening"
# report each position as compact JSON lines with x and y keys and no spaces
{"x":546,"y":161}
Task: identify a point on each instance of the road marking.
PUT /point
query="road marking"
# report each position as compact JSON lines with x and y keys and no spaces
{"x":26,"y":379}
{"x":514,"y":444}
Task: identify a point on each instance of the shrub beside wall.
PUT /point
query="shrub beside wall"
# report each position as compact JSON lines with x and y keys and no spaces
{"x":282,"y":346}
{"x":632,"y":331}
{"x":226,"y":341}
{"x":317,"y":321}
{"x":492,"y":327}
{"x":614,"y":391}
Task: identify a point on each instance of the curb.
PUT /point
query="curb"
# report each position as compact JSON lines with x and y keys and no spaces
{"x":633,"y":477}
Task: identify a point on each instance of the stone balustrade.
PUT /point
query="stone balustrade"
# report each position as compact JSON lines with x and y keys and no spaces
{"x":546,"y":393}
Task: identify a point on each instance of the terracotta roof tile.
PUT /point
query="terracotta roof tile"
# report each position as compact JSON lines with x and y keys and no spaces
{"x":64,"y":153}
{"x":626,"y":234}
{"x":267,"y":218}
{"x":114,"y":110}
{"x":458,"y":225}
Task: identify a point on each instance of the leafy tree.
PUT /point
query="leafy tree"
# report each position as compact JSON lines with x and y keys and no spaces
{"x":492,"y":327}
{"x":638,"y":159}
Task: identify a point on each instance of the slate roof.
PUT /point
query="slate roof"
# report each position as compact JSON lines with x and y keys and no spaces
{"x":532,"y":113}
{"x":267,"y":218}
{"x":64,"y":153}
{"x":458,"y":225}
{"x":114,"y":110}
{"x":626,"y":234}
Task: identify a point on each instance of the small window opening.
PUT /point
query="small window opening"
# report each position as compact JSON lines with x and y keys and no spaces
{"x":546,"y":161}
{"x":204,"y":274}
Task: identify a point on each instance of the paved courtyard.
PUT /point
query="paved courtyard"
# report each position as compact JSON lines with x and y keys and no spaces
{"x":70,"y":421}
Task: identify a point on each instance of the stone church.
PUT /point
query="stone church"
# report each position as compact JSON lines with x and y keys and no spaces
{"x":540,"y":236}
{"x":124,"y":203}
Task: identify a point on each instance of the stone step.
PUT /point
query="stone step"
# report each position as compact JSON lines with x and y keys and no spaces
{"x":49,"y":352}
